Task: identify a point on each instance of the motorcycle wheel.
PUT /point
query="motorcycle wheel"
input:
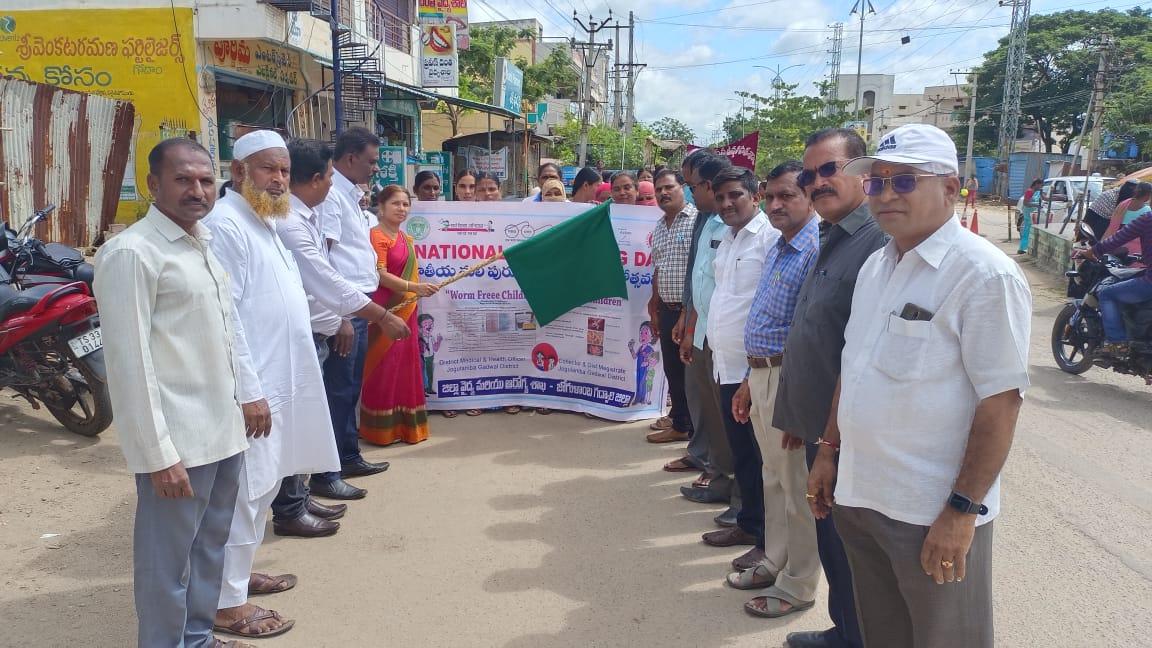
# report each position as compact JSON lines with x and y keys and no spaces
{"x":90,"y":408}
{"x":1072,"y":354}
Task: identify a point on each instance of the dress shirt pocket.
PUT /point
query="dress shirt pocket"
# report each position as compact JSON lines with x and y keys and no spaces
{"x":901,"y":349}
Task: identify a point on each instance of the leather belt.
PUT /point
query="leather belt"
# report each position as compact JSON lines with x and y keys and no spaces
{"x":764,"y":363}
{"x":676,"y":306}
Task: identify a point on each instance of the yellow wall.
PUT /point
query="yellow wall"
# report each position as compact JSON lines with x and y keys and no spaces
{"x":145,"y":56}
{"x":435,"y":127}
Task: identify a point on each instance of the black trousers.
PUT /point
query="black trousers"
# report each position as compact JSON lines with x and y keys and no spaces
{"x":747,"y":466}
{"x":841,"y":597}
{"x":673,"y":369}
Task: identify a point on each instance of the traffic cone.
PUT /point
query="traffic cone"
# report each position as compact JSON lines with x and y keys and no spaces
{"x":975,"y":221}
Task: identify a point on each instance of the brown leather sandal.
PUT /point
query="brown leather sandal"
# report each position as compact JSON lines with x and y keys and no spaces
{"x":242,"y":627}
{"x":259,"y":584}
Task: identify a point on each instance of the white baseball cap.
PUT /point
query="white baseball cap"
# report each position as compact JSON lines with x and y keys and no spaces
{"x":920,"y":145}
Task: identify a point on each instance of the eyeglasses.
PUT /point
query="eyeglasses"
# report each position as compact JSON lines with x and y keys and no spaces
{"x":901,"y":184}
{"x":826,"y":170}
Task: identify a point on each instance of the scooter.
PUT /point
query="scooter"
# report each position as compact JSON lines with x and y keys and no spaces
{"x":1078,"y":332}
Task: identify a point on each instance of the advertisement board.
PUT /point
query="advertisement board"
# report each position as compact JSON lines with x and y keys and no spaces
{"x":439,"y":60}
{"x":446,"y":12}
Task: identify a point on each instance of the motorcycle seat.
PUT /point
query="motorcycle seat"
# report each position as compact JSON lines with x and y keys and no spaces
{"x":14,"y":302}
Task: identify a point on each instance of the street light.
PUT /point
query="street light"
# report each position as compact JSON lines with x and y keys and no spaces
{"x":741,"y":114}
{"x":777,"y":80}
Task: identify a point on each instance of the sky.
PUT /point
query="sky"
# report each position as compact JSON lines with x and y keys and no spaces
{"x":699,"y":53}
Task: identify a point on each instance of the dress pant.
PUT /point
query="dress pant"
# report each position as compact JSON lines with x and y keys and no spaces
{"x":293,"y":496}
{"x":845,"y":632}
{"x":178,"y":555}
{"x":790,"y":551}
{"x":343,"y":376}
{"x":708,"y":446}
{"x":902,"y":607}
{"x":746,"y":465}
{"x":673,"y":368}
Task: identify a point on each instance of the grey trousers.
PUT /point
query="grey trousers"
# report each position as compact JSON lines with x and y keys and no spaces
{"x":899,"y":606}
{"x":178,"y":549}
{"x":708,"y":445}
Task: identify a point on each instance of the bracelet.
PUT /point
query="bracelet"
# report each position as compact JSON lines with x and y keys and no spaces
{"x":823,"y":441}
{"x":407,"y":286}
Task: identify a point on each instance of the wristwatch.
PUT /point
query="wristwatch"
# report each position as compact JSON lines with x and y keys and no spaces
{"x":965,"y":505}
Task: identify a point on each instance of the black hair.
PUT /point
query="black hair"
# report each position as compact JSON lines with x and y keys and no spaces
{"x":464,"y":172}
{"x":354,"y":140}
{"x":485,"y":175}
{"x":853,"y":144}
{"x":746,"y":178}
{"x":309,"y":158}
{"x":709,"y":166}
{"x":159,"y":153}
{"x":556,"y":167}
{"x":623,"y":174}
{"x":1143,"y":190}
{"x":1126,"y":190}
{"x":789,"y":166}
{"x":586,"y":176}
{"x":225,"y":187}
{"x":668,"y":172}
{"x":1036,"y":182}
{"x":693,"y":160}
{"x":422,"y":177}
{"x":423,"y":317}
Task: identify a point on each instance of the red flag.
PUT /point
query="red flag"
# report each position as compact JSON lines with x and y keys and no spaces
{"x":741,"y":152}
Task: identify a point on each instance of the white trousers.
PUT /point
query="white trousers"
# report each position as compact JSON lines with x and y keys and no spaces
{"x":244,"y":538}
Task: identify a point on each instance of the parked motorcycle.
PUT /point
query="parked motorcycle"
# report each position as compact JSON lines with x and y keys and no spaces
{"x":51,"y":350}
{"x":1078,"y":332}
{"x":36,"y":263}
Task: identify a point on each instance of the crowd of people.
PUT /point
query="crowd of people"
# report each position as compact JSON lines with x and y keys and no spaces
{"x":810,"y":323}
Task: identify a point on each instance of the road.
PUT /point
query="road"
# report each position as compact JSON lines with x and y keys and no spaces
{"x":533,"y":531}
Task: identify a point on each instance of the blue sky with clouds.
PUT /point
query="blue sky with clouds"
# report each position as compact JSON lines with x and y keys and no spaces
{"x":700,"y":52}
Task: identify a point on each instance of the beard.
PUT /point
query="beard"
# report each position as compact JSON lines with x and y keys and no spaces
{"x":264,"y":203}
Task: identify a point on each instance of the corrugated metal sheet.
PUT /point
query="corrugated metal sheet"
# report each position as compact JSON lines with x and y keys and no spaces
{"x":62,"y":148}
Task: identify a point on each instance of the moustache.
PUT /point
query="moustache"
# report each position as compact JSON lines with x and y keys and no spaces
{"x":822,"y":191}
{"x":202,"y":203}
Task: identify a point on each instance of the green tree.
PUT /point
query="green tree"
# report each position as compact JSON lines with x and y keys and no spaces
{"x":555,"y":76}
{"x":1061,"y":58}
{"x":670,"y":128}
{"x":607,"y":145}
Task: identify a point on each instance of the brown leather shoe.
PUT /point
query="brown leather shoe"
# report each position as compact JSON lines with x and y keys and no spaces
{"x":305,"y":526}
{"x":729,"y":537}
{"x":671,"y":435}
{"x":325,"y":511}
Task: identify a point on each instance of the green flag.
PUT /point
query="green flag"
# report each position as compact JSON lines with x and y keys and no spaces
{"x":569,"y":265}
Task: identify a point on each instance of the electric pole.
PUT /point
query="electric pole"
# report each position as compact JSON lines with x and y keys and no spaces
{"x":969,"y":165}
{"x":861,"y":5}
{"x":1013,"y":81}
{"x":591,"y":51}
{"x":617,"y":94}
{"x":834,"y":64}
{"x":936,"y":109}
{"x":634,"y":69}
{"x":1096,"y":112}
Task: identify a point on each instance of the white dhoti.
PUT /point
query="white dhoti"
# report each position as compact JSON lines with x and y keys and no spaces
{"x":247,"y":533}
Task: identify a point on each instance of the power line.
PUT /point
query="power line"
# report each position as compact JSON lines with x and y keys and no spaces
{"x":716,"y":11}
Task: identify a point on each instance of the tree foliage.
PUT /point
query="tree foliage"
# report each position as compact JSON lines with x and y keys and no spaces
{"x":670,"y":128}
{"x":607,"y":145}
{"x":1061,"y":58}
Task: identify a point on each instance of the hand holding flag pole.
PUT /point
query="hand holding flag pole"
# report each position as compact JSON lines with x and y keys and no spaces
{"x":486,"y":262}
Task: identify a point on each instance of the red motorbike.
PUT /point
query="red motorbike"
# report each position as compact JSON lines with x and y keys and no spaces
{"x":51,"y":351}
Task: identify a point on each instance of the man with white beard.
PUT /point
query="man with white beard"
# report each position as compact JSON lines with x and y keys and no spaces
{"x":274,"y":343}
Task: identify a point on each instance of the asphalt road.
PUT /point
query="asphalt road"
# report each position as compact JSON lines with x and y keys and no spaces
{"x":530,"y":531}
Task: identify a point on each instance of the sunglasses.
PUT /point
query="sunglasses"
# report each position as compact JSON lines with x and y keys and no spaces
{"x":901,"y":184}
{"x":826,"y":170}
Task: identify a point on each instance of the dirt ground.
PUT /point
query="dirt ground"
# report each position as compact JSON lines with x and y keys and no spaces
{"x":536,"y":531}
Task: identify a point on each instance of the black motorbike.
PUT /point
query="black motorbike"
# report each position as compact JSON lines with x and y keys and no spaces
{"x":36,"y":263}
{"x":1078,"y":332}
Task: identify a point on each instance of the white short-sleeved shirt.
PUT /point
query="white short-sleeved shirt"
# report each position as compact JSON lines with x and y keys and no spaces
{"x":346,"y":225}
{"x":909,"y":389}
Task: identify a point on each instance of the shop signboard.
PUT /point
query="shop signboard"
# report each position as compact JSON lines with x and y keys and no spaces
{"x":256,"y":60}
{"x":439,"y":60}
{"x":392,"y":170}
{"x":446,"y":12}
{"x":508,"y":85}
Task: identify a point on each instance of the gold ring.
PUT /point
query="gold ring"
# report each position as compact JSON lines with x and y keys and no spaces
{"x":946,"y":564}
{"x":809,"y":496}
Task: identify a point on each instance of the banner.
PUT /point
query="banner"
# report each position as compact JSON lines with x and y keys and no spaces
{"x":439,"y":63}
{"x":495,"y":162}
{"x":256,"y":60}
{"x":446,"y":12}
{"x":480,"y":343}
{"x":741,"y":152}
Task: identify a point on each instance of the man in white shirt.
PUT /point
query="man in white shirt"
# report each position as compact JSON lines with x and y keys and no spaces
{"x":169,"y":324}
{"x":934,"y":365}
{"x":274,"y":344}
{"x":738,"y":264}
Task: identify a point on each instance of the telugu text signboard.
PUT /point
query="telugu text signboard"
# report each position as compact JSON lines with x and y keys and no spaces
{"x":439,"y":60}
{"x":446,"y":12}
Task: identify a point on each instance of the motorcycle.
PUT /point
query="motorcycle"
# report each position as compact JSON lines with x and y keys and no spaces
{"x":38,"y":263}
{"x":1078,"y":332}
{"x":51,"y":349}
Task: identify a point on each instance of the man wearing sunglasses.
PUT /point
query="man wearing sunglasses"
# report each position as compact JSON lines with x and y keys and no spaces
{"x":935,"y":362}
{"x":812,"y":350}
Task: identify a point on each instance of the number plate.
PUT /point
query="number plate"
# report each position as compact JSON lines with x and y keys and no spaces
{"x":84,"y":344}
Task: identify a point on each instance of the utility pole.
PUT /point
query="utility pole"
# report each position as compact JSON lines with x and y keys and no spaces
{"x":617,"y":93}
{"x":634,"y":69}
{"x":1013,"y":81}
{"x":834,"y":64}
{"x":936,"y":109}
{"x":861,"y":5}
{"x":969,"y":164}
{"x":591,"y":53}
{"x":1096,"y":112}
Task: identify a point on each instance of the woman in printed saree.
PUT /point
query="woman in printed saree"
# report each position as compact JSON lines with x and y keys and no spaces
{"x":392,"y":399}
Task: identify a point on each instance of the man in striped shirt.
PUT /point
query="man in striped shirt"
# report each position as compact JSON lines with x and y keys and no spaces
{"x":790,"y":567}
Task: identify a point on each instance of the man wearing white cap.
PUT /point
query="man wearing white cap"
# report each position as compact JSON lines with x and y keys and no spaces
{"x":274,"y":343}
{"x":934,"y":365}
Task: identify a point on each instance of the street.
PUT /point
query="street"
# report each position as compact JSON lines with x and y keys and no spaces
{"x":535,"y":531}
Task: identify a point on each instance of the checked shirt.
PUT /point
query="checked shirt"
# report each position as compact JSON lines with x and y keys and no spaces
{"x":785,"y":269}
{"x":670,"y":249}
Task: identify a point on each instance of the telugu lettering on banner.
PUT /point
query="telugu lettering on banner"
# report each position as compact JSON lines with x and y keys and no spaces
{"x":446,"y":12}
{"x":480,"y":343}
{"x":439,"y":62}
{"x":256,"y":60}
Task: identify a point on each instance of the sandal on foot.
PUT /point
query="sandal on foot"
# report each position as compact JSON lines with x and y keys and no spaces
{"x":264,"y":584}
{"x":703,"y":481}
{"x":242,"y":628}
{"x":512,"y":409}
{"x":683,"y":464}
{"x":662,"y":423}
{"x":473,"y":412}
{"x":450,"y":413}
{"x":756,"y":578}
{"x":773,"y":608}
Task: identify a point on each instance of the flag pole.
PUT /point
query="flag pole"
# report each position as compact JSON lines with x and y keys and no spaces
{"x":486,"y":262}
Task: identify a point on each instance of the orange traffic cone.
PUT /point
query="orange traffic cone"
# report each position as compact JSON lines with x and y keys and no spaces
{"x":975,"y":221}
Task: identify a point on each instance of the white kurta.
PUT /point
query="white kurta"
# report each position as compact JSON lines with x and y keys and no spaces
{"x":275,"y":342}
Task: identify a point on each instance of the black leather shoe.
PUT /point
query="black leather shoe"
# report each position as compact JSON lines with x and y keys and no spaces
{"x":305,"y":526}
{"x":362,"y":468}
{"x":727,"y":518}
{"x":814,"y":639}
{"x":325,"y":511}
{"x":702,"y":495}
{"x":337,"y":489}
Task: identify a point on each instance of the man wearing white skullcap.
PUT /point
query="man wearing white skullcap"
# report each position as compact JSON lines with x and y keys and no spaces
{"x":274,"y":346}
